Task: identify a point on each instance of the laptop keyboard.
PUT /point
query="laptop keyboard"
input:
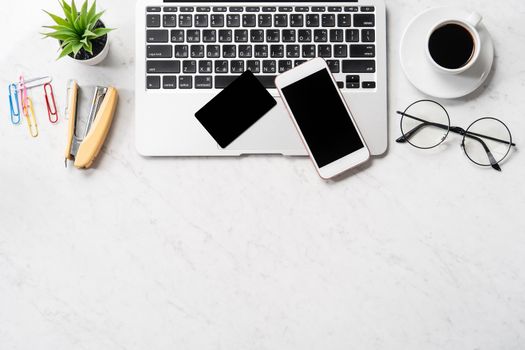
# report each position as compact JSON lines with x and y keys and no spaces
{"x":207,"y":47}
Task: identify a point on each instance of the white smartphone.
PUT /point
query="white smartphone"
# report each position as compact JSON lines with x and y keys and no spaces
{"x":322,"y":118}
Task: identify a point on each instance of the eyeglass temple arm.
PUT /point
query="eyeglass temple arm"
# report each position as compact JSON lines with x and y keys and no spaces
{"x":456,"y":130}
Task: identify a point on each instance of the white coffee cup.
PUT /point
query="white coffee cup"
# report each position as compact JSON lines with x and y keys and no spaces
{"x":469,"y":23}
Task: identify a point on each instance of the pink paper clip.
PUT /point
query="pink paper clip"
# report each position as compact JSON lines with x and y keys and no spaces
{"x":23,"y":93}
{"x":50,"y":103}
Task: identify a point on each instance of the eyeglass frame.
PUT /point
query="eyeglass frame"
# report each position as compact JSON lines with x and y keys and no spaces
{"x":457,"y":130}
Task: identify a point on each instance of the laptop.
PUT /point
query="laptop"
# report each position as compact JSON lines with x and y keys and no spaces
{"x":188,"y":51}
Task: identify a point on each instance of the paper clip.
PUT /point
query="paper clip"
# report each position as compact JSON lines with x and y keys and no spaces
{"x":27,"y":107}
{"x":50,"y":103}
{"x":13,"y":102}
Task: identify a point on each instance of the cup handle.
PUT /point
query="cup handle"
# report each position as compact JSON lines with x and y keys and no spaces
{"x":474,"y":19}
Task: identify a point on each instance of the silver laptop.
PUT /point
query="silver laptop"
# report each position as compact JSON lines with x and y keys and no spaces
{"x":187,"y":51}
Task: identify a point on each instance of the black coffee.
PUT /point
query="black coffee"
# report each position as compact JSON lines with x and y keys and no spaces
{"x":451,"y":46}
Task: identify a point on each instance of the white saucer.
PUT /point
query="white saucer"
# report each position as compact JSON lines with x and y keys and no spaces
{"x":427,"y":78}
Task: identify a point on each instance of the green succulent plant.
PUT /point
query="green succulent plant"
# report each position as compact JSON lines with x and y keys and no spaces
{"x":78,"y":29}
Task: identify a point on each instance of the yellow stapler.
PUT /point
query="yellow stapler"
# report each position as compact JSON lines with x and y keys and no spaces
{"x":83,"y":149}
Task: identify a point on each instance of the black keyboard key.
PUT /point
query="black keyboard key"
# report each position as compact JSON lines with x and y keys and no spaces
{"x":225,"y":36}
{"x":352,"y":85}
{"x":159,"y":51}
{"x":324,"y":51}
{"x":351,"y":9}
{"x":368,"y":35}
{"x":217,"y":20}
{"x":261,"y":51}
{"x":265,"y":20}
{"x":249,"y":20}
{"x":280,"y":20}
{"x":363,"y":50}
{"x":359,"y":66}
{"x":170,"y":9}
{"x":268,"y":81}
{"x":254,"y":66}
{"x":245,"y":51}
{"x":203,"y":82}
{"x":293,"y":51}
{"x":298,"y":62}
{"x":203,"y":9}
{"x":340,"y":84}
{"x":333,"y":65}
{"x":257,"y":35}
{"x":177,"y":36}
{"x":220,"y":9}
{"x":352,"y":79}
{"x":181,"y":51}
{"x":335,"y":9}
{"x":344,"y":20}
{"x":241,"y":35}
{"x":185,"y":21}
{"x":236,"y":9}
{"x":285,"y":9}
{"x":237,"y":66}
{"x":163,"y":67}
{"x":308,"y":51}
{"x":201,"y":21}
{"x":229,"y":51}
{"x":153,"y":9}
{"x":285,"y":65}
{"x":269,"y":9}
{"x":221,"y":66}
{"x":185,"y":82}
{"x":233,"y":20}
{"x":153,"y":82}
{"x":213,"y":51}
{"x":304,"y":35}
{"x":253,"y":9}
{"x":169,"y":82}
{"x":169,"y":20}
{"x":369,"y":85}
{"x":153,"y":21}
{"x":336,"y":35}
{"x":318,"y":9}
{"x":340,"y":51}
{"x":364,"y":20}
{"x":328,"y":20}
{"x":312,"y":20}
{"x":301,"y":9}
{"x":272,"y":35}
{"x":367,"y":9}
{"x":189,"y":66}
{"x":209,"y":35}
{"x":288,"y":35}
{"x":193,"y":36}
{"x":296,"y":20}
{"x":157,"y":36}
{"x":320,"y":35}
{"x":187,"y":9}
{"x":222,"y":81}
{"x":269,"y":67}
{"x":276,"y":51}
{"x":197,"y":51}
{"x":352,"y":35}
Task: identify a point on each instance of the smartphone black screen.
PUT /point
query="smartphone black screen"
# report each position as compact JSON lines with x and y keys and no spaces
{"x":322,"y":118}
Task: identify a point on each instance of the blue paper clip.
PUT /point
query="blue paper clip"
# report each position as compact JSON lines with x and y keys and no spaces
{"x":13,"y":102}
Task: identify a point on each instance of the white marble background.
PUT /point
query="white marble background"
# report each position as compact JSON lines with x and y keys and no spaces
{"x":416,"y":251}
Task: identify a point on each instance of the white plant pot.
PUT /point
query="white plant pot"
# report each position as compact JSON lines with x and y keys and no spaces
{"x":98,"y":58}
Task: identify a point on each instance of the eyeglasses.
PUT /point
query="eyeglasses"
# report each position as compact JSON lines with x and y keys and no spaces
{"x":425,"y":124}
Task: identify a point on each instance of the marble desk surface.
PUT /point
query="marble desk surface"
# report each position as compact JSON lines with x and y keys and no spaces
{"x":416,"y":251}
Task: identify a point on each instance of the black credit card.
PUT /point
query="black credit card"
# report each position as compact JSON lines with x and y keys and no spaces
{"x":235,"y":109}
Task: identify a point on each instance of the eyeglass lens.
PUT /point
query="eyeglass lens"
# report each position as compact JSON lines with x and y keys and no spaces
{"x":425,"y":124}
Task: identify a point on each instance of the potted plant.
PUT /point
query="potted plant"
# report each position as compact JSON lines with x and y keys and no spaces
{"x":81,"y":33}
